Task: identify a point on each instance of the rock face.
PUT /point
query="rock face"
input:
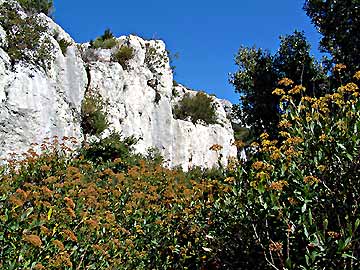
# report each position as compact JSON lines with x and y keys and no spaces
{"x":35,"y":103}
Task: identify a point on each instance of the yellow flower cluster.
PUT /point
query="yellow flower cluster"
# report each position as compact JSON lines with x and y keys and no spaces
{"x":357,"y":75}
{"x":339,"y":67}
{"x":286,"y":82}
{"x":296,"y":90}
{"x":278,"y":92}
{"x":311,"y":180}
{"x":216,"y":147}
{"x":278,"y":185}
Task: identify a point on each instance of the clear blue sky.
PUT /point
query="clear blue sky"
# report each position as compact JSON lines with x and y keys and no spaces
{"x":206,"y":34}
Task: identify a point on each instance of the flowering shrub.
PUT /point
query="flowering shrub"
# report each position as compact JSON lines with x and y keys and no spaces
{"x":294,"y":205}
{"x":300,"y":195}
{"x":61,"y":210}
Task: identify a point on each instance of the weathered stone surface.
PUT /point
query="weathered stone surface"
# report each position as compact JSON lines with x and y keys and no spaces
{"x":35,"y":103}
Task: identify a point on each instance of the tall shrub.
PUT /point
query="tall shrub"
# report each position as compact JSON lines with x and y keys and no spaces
{"x":301,"y":193}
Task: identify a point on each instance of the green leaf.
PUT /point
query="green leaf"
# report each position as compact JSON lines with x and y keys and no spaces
{"x":357,"y":223}
{"x":348,"y":256}
{"x":49,"y":213}
{"x":303,"y":208}
{"x":306,"y":232}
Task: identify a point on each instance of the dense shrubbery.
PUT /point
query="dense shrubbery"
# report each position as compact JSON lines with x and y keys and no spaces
{"x":299,"y":199}
{"x":25,"y":38}
{"x":198,"y":107}
{"x":293,"y":205}
{"x":123,"y":55}
{"x":59,"y":211}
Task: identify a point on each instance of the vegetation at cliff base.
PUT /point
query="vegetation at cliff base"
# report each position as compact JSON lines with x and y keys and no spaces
{"x":93,"y":115}
{"x":103,"y":207}
{"x":292,"y":204}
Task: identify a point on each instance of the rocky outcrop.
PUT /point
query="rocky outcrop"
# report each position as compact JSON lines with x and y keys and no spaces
{"x":37,"y":103}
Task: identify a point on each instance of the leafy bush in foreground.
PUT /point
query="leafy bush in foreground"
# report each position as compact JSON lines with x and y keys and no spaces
{"x":58,"y":211}
{"x":294,"y":205}
{"x":299,"y":200}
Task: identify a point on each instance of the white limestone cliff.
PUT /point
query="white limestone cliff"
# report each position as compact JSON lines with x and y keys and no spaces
{"x":35,"y":103}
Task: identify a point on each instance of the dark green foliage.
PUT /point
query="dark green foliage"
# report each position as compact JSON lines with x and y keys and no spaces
{"x":93,"y":118}
{"x":110,"y":148}
{"x":106,"y":41}
{"x":198,"y":107}
{"x":339,"y":24}
{"x":154,"y":156}
{"x":293,"y":60}
{"x":37,"y":6}
{"x":107,"y":34}
{"x":123,"y":55}
{"x":259,"y":73}
{"x":64,"y":44}
{"x":255,"y":80}
{"x":25,"y":41}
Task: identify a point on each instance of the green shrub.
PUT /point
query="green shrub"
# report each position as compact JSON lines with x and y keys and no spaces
{"x":104,"y":44}
{"x":25,"y":38}
{"x":106,"y":41}
{"x":37,"y":6}
{"x":123,"y":55}
{"x":110,"y":148}
{"x":153,"y":155}
{"x":93,"y":117}
{"x":198,"y":107}
{"x":64,"y":44}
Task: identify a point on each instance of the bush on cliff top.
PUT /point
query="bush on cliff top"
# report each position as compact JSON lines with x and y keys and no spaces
{"x":106,"y":41}
{"x":123,"y":55}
